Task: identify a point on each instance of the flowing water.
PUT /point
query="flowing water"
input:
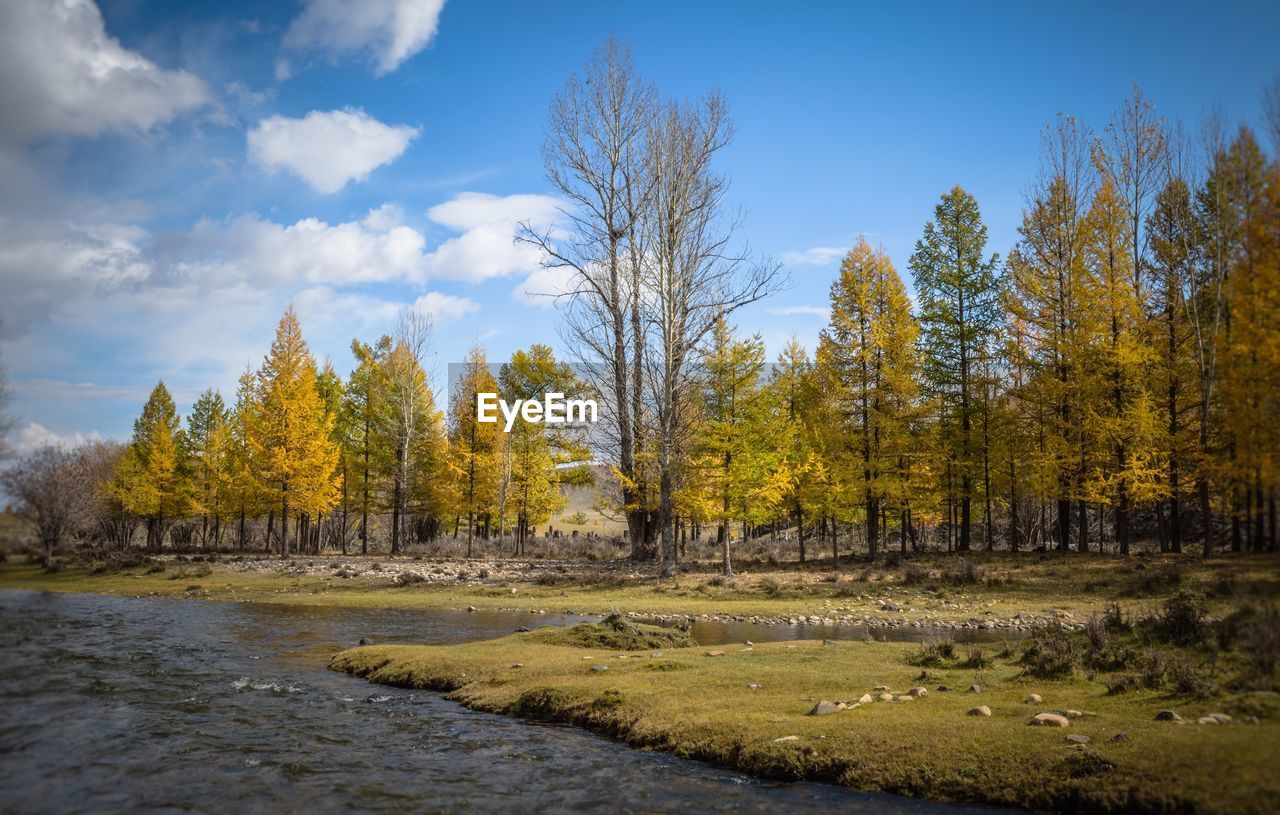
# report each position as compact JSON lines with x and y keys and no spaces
{"x":117,"y":704}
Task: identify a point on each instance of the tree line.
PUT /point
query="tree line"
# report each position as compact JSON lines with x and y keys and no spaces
{"x":1113,"y":378}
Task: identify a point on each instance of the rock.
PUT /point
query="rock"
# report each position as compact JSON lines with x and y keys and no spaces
{"x":975,"y":689}
{"x":980,"y":710}
{"x":517,"y":665}
{"x":1208,"y":720}
{"x":1167,"y":716}
{"x":471,"y":608}
{"x":1033,"y":699}
{"x":1120,"y":737}
{"x":599,"y":668}
{"x":904,"y":697}
{"x":786,"y":738}
{"x":881,"y":688}
{"x":945,"y":689}
{"x":1072,"y":714}
{"x":885,"y":697}
{"x":1076,"y":738}
{"x":1221,"y":718}
{"x":1048,"y":720}
{"x":755,"y":686}
{"x":824,"y":708}
{"x":714,"y":654}
{"x":865,"y":699}
{"x":524,"y":629}
{"x":748,"y":643}
{"x":828,"y":642}
{"x":918,"y":691}
{"x":890,"y":607}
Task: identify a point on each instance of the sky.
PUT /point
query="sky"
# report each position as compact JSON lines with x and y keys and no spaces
{"x":174,"y":175}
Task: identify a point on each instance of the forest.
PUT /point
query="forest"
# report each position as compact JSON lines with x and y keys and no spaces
{"x":1109,"y":382}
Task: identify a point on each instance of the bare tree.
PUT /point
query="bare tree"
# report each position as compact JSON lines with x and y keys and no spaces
{"x":102,"y":515}
{"x":48,"y":490}
{"x":692,"y":275}
{"x":593,"y":151}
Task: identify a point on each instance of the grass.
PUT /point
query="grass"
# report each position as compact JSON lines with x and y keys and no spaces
{"x":739,"y":709}
{"x":927,"y":589}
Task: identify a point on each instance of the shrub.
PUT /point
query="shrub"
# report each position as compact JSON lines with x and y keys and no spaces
{"x":408,"y":579}
{"x":1180,"y":622}
{"x":933,"y":653}
{"x":976,"y":659}
{"x":1263,"y":638}
{"x":1050,"y":653}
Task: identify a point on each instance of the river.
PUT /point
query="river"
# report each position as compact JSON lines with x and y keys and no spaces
{"x":119,"y":704}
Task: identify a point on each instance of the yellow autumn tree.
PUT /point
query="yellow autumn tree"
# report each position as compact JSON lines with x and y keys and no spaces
{"x":151,"y":480}
{"x":475,"y":448}
{"x":289,"y":431}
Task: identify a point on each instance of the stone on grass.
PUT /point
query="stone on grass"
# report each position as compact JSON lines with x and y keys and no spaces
{"x":1120,"y":737}
{"x":824,"y":708}
{"x":786,"y":738}
{"x":945,"y":689}
{"x":880,"y":688}
{"x":755,"y":686}
{"x":1072,"y":714}
{"x":599,"y":668}
{"x":1208,"y":720}
{"x":865,"y":699}
{"x":1076,"y":738}
{"x":980,"y":710}
{"x":1048,"y":720}
{"x":918,"y":691}
{"x":904,"y":697}
{"x":714,"y":654}
{"x":1221,"y":718}
{"x":1033,"y":699}
{"x":975,"y":689}
{"x":1168,"y":716}
{"x":885,"y":697}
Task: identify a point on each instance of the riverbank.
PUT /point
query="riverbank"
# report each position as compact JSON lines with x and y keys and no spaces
{"x":750,"y":707}
{"x":992,"y":593}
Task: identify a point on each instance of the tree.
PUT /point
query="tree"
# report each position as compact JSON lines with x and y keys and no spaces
{"x":1175,"y":249}
{"x":959,"y":293}
{"x":152,"y":481}
{"x":370,"y":458}
{"x":406,"y":417}
{"x":6,"y":421}
{"x":870,"y":346}
{"x":48,"y":492}
{"x":742,"y":468}
{"x":796,"y":392}
{"x":289,"y":431}
{"x":1047,"y":289}
{"x":475,"y":447}
{"x":207,"y":450}
{"x":594,"y":154}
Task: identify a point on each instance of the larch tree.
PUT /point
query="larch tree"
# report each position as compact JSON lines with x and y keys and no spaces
{"x":1175,"y":246}
{"x":870,"y":345}
{"x":959,"y":291}
{"x":207,"y":448}
{"x":1047,"y":294}
{"x":290,"y":433}
{"x":361,"y":407}
{"x":152,"y":481}
{"x":475,"y":447}
{"x":798,"y":397}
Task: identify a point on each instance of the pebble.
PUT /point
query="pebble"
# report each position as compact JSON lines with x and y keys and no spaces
{"x":1168,"y":716}
{"x":599,"y":668}
{"x":786,"y":738}
{"x":825,"y":707}
{"x":1076,"y":738}
{"x":885,"y":697}
{"x":1033,"y":699}
{"x":865,"y":699}
{"x":918,"y":691}
{"x":975,"y":689}
{"x":980,"y":710}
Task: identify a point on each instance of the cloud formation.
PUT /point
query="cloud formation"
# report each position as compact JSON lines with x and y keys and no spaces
{"x":327,"y":149}
{"x":63,"y":74}
{"x":815,"y":256}
{"x":386,"y":31}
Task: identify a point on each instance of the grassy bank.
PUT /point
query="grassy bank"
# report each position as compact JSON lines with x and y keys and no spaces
{"x":998,"y":590}
{"x":748,"y":707}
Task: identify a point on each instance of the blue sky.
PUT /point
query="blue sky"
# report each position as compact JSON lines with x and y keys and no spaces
{"x":176,"y":173}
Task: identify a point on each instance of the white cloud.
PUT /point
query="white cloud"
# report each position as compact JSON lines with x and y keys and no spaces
{"x":789,"y":311}
{"x":33,"y":436}
{"x":487,"y":247}
{"x":64,"y":74}
{"x":445,"y":308}
{"x":545,"y":285}
{"x":816,"y":256}
{"x":390,"y":31}
{"x":328,"y":149}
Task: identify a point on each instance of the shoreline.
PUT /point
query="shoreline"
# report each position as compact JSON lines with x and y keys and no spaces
{"x":748,"y":708}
